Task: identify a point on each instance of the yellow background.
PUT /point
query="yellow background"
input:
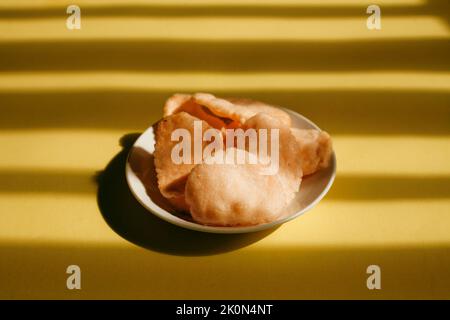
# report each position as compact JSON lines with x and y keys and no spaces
{"x":71,"y":103}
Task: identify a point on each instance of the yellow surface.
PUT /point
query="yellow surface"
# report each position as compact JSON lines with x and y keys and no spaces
{"x":72,"y":101}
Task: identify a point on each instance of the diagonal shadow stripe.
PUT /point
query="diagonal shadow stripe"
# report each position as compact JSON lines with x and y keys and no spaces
{"x":379,"y":187}
{"x":47,"y":181}
{"x":376,"y":112}
{"x":127,"y":272}
{"x":352,"y":188}
{"x":227,"y":56}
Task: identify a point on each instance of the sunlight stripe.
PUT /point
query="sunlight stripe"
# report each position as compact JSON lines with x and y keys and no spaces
{"x":330,"y":224}
{"x":223,"y":28}
{"x":193,"y":81}
{"x":64,"y":149}
{"x":33,"y":4}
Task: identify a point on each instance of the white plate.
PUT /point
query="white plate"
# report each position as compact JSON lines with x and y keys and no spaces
{"x":141,"y":179}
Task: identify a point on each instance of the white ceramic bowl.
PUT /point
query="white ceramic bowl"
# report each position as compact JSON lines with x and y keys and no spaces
{"x":142,"y":182}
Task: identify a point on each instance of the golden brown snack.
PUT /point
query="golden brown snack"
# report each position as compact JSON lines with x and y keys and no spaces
{"x":289,"y":153}
{"x":235,"y":194}
{"x":240,"y":110}
{"x":186,"y":103}
{"x":315,"y":149}
{"x":171,"y":176}
{"x":254,"y":107}
{"x":221,"y":113}
{"x":174,"y":103}
{"x":241,"y":194}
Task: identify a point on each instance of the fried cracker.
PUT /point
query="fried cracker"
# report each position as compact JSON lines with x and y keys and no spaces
{"x":240,"y":194}
{"x":315,"y":149}
{"x":234,"y":194}
{"x":222,"y":113}
{"x":238,"y":109}
{"x":253,"y":107}
{"x":290,"y":166}
{"x":186,"y":103}
{"x":172,"y":177}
